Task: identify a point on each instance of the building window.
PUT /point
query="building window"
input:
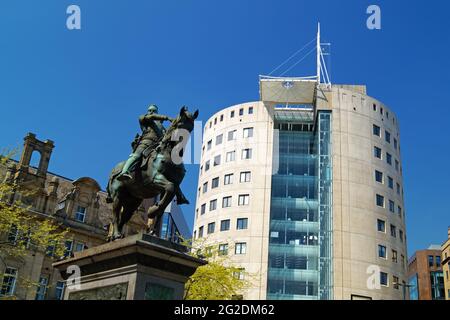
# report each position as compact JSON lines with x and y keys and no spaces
{"x":221,"y":117}
{"x":381,"y":110}
{"x":393,"y":231}
{"x":431,"y":261}
{"x":244,"y":200}
{"x":41,"y":292}
{"x":215,"y":183}
{"x":208,"y":145}
{"x":387,"y":136}
{"x":79,"y":246}
{"x":250,"y":110}
{"x":245,"y":176}
{"x":381,"y":225}
{"x":394,"y":256}
{"x":398,"y":188}
{"x":231,"y":156}
{"x":232,"y":114}
{"x":377,"y":152}
{"x":219,"y":139}
{"x":391,"y":206}
{"x":205,"y":187}
{"x":383,"y":278}
{"x":68,"y":244}
{"x":397,"y":164}
{"x":399,"y":211}
{"x":395,"y":144}
{"x":378,"y":176}
{"x":225,"y":225}
{"x":240,"y":275}
{"x":232,"y":135}
{"x":207,"y":164}
{"x":380,"y":200}
{"x":376,"y":130}
{"x":223,"y":249}
{"x":374,"y":106}
{"x":215,"y":121}
{"x":211,"y":227}
{"x":226,"y":202}
{"x":388,"y":158}
{"x":382,"y":251}
{"x":395,"y":282}
{"x":241,"y":223}
{"x":80,"y":215}
{"x":248,"y":132}
{"x":438,"y":261}
{"x":228,"y":179}
{"x":200,"y":232}
{"x":240,"y":248}
{"x":241,"y":111}
{"x":390,"y":182}
{"x":400,"y":235}
{"x":213,"y":205}
{"x":9,"y":282}
{"x":13,"y":234}
{"x":216,"y":160}
{"x":59,"y":290}
{"x":246,"y":153}
{"x":203,"y":209}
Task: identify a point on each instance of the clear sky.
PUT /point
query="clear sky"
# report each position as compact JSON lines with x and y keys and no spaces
{"x":85,"y":88}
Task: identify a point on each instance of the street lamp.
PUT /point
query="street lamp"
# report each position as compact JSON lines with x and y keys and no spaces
{"x":404,"y":285}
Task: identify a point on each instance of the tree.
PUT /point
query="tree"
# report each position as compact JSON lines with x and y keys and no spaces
{"x":21,"y":230}
{"x":218,"y":279}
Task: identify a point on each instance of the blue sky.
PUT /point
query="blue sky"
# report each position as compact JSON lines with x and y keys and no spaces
{"x":74,"y":87}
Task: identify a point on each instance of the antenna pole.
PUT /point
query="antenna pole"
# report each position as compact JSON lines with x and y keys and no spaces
{"x":319,"y":62}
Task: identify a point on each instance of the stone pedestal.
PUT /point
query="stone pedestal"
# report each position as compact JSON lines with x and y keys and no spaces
{"x":139,"y":267}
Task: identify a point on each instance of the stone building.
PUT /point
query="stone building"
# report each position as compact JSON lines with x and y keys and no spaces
{"x":77,"y":204}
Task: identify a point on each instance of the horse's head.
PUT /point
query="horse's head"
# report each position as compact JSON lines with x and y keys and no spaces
{"x":185,"y":120}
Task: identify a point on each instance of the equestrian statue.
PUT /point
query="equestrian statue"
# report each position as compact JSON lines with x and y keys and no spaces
{"x":153,"y":169}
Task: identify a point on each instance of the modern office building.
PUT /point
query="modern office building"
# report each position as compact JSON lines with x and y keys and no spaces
{"x":445,"y":248}
{"x":304,"y":190}
{"x":425,"y":277}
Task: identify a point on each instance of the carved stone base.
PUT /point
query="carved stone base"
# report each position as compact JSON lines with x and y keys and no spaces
{"x":139,"y":267}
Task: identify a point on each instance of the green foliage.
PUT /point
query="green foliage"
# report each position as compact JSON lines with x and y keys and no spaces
{"x":217,"y":280}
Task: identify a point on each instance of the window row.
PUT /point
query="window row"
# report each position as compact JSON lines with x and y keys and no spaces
{"x":381,"y":227}
{"x":241,"y":224}
{"x":246,"y":154}
{"x":377,"y":153}
{"x":375,"y":107}
{"x":244,"y":176}
{"x":380,"y":202}
{"x":232,"y":114}
{"x":382,"y":253}
{"x":9,"y":284}
{"x":387,"y":136}
{"x":384,"y":280}
{"x":379,"y":177}
{"x":232,"y":135}
{"x":243,"y":200}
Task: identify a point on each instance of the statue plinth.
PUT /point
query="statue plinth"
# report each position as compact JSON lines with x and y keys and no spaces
{"x":139,"y":267}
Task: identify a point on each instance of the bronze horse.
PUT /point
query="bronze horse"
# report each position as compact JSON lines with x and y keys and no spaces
{"x":157,"y":174}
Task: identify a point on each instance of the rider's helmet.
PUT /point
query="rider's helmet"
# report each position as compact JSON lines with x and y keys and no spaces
{"x":153,"y":108}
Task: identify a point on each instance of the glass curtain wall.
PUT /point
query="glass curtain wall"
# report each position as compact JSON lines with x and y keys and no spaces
{"x":300,"y":218}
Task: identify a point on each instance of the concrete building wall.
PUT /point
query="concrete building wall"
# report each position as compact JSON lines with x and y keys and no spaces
{"x":258,"y":209}
{"x":355,"y":212}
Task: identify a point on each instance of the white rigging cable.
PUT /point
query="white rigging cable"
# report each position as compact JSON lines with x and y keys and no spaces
{"x":303,"y":58}
{"x":293,"y":55}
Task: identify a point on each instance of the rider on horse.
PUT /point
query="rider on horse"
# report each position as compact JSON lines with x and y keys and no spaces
{"x":152,"y":132}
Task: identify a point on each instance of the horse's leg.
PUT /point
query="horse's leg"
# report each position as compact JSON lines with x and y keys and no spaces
{"x":114,"y":227}
{"x":130,"y":207}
